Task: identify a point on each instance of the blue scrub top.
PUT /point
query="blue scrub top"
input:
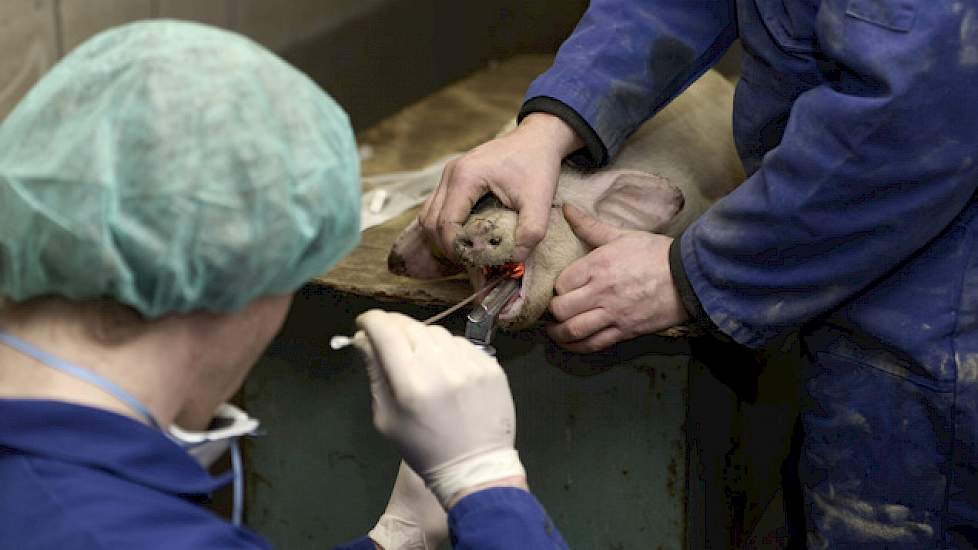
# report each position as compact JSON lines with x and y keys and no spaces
{"x":84,"y":478}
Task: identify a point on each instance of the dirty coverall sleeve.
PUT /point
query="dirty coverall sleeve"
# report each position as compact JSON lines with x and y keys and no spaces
{"x":873,"y":164}
{"x":625,"y":60}
{"x":362,"y":543}
{"x":502,"y":518}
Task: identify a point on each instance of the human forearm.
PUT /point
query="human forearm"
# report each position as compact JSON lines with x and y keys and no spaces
{"x":502,"y":518}
{"x":627,"y":59}
{"x":592,"y":152}
{"x":517,"y":482}
{"x":552,"y":130}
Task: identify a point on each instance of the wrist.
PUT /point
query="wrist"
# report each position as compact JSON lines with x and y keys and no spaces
{"x":688,"y":301}
{"x":449,"y":480}
{"x":518,"y":482}
{"x":553,"y":131}
{"x":392,"y":532}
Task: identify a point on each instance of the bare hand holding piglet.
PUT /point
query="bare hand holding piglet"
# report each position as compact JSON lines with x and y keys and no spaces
{"x":519,"y":168}
{"x":621,"y":289}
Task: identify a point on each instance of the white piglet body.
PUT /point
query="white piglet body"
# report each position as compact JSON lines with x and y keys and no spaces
{"x":667,"y":174}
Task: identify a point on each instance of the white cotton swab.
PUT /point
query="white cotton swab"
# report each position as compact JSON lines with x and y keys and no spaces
{"x":341,"y":341}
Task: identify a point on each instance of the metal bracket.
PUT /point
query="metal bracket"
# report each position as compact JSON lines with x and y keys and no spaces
{"x":481,"y":325}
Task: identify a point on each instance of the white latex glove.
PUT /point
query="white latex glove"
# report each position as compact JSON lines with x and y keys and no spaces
{"x":414,"y":519}
{"x":442,"y":401}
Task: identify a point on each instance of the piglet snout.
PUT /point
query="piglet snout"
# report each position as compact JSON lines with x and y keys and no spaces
{"x":479,"y":242}
{"x":479,"y":234}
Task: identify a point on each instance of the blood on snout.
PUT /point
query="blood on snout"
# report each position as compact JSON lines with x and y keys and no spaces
{"x":513,"y":270}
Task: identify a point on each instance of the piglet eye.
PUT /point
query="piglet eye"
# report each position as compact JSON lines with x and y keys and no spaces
{"x":495,"y":241}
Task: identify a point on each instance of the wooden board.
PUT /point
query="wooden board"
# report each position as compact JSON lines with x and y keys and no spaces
{"x":454,"y":119}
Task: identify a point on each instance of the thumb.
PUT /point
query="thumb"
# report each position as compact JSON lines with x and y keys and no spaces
{"x":379,"y":386}
{"x":589,"y":228}
{"x":393,"y":338}
{"x":380,"y":390}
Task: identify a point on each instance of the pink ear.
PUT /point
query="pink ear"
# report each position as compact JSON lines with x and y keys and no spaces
{"x":637,"y":200}
{"x":413,"y":256}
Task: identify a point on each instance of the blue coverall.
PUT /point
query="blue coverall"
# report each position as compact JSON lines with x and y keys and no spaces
{"x":74,"y":477}
{"x":857,"y":123}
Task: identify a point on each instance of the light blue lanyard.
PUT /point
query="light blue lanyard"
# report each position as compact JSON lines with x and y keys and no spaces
{"x":79,"y":373}
{"x":122,"y":395}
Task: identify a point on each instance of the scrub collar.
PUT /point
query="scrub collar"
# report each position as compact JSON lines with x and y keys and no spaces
{"x":229,"y":424}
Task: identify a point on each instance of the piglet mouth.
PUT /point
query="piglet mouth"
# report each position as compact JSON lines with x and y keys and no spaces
{"x":512,"y":270}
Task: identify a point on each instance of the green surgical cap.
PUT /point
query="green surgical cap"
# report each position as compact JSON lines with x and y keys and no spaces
{"x":174,"y":167}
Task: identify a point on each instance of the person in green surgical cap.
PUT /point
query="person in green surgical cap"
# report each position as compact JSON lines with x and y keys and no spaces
{"x":164,"y":191}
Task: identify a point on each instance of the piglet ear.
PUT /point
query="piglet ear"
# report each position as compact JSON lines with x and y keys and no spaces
{"x":413,"y":255}
{"x":637,"y":200}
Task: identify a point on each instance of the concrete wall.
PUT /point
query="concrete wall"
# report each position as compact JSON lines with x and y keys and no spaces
{"x":34,"y":34}
{"x":373,"y":56}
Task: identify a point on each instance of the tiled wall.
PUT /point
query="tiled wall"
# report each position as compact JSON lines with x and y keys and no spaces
{"x":34,"y":34}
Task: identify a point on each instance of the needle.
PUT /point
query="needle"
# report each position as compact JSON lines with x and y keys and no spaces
{"x":341,"y":341}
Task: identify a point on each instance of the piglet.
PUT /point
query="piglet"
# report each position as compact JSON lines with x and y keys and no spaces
{"x":667,"y":174}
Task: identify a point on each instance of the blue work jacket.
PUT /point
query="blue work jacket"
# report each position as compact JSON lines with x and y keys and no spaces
{"x":857,"y":124}
{"x":83,"y":478}
{"x":858,"y":204}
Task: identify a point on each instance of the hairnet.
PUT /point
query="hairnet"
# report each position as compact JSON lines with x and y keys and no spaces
{"x":173,"y":167}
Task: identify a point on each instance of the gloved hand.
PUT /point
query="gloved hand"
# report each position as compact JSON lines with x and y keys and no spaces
{"x":442,"y":401}
{"x":413,"y":520}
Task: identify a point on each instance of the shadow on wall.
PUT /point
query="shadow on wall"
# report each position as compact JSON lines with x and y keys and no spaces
{"x":402,"y":50}
{"x":397,"y":51}
{"x":374,"y":56}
